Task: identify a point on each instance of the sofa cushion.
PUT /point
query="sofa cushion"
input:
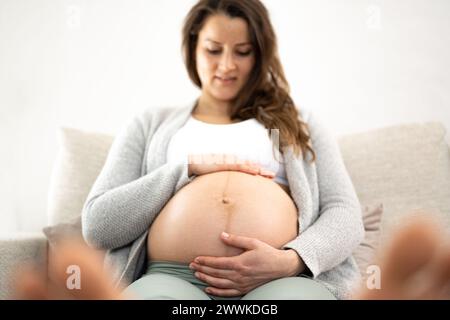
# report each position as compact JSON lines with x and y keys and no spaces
{"x":80,"y":159}
{"x":405,"y":167}
{"x":366,"y":253}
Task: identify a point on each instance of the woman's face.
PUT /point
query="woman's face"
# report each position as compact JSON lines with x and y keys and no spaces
{"x":225,"y":56}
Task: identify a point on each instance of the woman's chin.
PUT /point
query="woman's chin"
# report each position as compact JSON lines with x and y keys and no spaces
{"x":224,"y":98}
{"x":225,"y":95}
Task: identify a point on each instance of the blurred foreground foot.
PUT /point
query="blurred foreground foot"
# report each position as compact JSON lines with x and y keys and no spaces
{"x":415,"y":265}
{"x":77,"y":273}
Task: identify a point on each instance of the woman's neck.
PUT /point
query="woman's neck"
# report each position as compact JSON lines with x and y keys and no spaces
{"x":215,"y":109}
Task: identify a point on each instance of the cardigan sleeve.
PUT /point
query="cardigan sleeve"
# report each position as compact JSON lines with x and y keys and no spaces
{"x":122,"y":203}
{"x":339,"y":228}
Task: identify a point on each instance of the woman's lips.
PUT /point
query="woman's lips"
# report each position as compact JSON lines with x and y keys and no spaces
{"x":226,"y":81}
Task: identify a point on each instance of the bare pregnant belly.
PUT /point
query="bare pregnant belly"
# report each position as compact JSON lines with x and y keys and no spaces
{"x":239,"y":203}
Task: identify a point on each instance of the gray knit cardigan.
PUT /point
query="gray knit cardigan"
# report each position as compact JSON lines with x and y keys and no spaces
{"x":137,"y":181}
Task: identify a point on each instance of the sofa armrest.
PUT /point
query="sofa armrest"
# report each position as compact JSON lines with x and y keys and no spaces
{"x":17,"y":250}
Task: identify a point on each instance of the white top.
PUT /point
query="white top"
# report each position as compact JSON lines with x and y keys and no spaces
{"x":247,"y":140}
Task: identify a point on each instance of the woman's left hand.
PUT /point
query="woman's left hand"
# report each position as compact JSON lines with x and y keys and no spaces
{"x":237,"y":275}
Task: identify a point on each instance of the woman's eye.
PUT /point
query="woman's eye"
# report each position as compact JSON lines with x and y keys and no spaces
{"x":216,"y":52}
{"x":245,"y":53}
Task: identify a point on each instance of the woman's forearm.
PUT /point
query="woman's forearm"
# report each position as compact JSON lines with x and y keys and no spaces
{"x":116,"y":217}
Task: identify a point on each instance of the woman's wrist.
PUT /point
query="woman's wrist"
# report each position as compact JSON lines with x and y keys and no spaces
{"x":293,"y":262}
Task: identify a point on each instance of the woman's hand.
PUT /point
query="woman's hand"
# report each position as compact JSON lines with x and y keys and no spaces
{"x":209,"y":163}
{"x":258,"y":264}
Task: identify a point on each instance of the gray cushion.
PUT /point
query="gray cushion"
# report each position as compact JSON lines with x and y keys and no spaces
{"x":366,"y":253}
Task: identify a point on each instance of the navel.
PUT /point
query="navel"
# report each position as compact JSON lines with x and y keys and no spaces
{"x":225,"y":200}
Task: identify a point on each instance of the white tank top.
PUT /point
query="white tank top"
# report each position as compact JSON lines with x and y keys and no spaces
{"x":247,"y":140}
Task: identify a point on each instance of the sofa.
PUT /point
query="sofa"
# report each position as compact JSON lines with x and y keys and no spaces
{"x":397,"y":171}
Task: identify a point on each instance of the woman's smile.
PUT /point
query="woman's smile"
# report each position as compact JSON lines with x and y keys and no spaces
{"x":226,"y":81}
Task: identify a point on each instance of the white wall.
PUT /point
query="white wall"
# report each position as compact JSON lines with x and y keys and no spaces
{"x":90,"y":64}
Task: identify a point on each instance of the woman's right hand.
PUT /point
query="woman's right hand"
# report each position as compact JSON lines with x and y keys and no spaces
{"x":199,"y":164}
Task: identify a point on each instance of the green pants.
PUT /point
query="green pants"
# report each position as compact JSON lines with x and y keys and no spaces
{"x":175,"y":281}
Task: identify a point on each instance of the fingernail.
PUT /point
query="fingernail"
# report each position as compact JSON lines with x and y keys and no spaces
{"x":265,"y":172}
{"x":197,"y":260}
{"x":253,"y":170}
{"x":191,"y":266}
{"x":225,"y":235}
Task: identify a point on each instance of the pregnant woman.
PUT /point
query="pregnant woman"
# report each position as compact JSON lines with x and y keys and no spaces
{"x":237,"y":195}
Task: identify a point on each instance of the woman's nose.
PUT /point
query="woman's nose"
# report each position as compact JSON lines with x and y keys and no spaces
{"x":227,"y":62}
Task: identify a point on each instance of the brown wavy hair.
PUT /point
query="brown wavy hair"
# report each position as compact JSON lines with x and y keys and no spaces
{"x":265,"y":96}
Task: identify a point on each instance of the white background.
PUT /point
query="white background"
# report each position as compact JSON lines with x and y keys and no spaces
{"x":91,"y":64}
